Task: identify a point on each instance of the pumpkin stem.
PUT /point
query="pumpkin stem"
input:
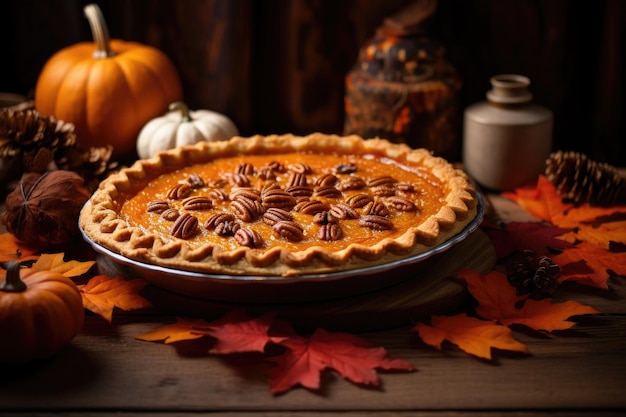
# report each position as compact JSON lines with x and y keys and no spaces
{"x":13,"y":282}
{"x":184,"y":110}
{"x":99,"y":31}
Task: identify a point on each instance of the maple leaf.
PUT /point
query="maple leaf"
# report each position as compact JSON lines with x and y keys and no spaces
{"x":497,"y":301}
{"x":54,"y":262}
{"x":12,"y":250}
{"x":535,"y":236}
{"x":237,"y":332}
{"x":541,"y":201}
{"x":101,"y":294}
{"x":604,"y":235}
{"x":305,"y":358}
{"x":472,"y":335}
{"x":183,"y":329}
{"x":589,"y":264}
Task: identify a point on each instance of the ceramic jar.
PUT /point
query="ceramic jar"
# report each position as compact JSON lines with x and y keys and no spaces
{"x":507,"y":138}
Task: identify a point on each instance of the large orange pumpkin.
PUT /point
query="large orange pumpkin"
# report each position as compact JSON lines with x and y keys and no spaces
{"x":108,"y":89}
{"x":40,"y":313}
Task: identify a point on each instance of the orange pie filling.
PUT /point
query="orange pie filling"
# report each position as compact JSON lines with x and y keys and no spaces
{"x":286,"y":211}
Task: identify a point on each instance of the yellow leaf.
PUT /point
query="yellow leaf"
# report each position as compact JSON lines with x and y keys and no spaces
{"x":183,"y":329}
{"x":474,"y":336}
{"x":54,"y":262}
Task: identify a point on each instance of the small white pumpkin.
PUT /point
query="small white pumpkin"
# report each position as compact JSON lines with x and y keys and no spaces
{"x":180,"y":127}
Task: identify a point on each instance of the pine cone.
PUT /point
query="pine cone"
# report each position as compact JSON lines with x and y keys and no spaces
{"x":24,"y":132}
{"x":533,"y":275}
{"x":582,"y":180}
{"x":39,"y":144}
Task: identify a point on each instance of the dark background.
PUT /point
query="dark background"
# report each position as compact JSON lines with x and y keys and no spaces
{"x":277,"y":66}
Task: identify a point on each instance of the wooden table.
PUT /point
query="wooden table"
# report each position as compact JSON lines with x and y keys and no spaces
{"x":106,"y":372}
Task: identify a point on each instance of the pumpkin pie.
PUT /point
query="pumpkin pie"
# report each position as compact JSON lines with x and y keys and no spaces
{"x":280,"y":205}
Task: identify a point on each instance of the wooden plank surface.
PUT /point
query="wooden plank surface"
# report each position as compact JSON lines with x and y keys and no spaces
{"x":106,"y":371}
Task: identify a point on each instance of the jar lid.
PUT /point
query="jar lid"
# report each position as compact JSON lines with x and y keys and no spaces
{"x":509,"y":89}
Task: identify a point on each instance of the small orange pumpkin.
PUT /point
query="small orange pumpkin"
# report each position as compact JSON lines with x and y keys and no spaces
{"x":108,"y":89}
{"x":40,"y":313}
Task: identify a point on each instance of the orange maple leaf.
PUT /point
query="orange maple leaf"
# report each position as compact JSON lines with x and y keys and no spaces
{"x":12,"y":250}
{"x":102,"y":294}
{"x":472,"y":335}
{"x":604,"y":235}
{"x":497,"y":301}
{"x":183,"y":329}
{"x":237,"y":332}
{"x":305,"y":358}
{"x":542,"y":201}
{"x":55,"y":262}
{"x":589,"y":264}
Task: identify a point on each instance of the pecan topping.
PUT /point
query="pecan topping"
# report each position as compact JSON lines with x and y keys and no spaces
{"x":245,"y":168}
{"x":227,"y":228}
{"x":359,"y":200}
{"x":239,"y":180}
{"x":381,"y":180}
{"x":248,"y":193}
{"x":170,"y":214}
{"x":157,"y":206}
{"x":351,"y":183}
{"x":376,"y":222}
{"x":218,"y":194}
{"x":324,"y":217}
{"x":385,"y":190}
{"x":342,"y":212}
{"x":296,"y":178}
{"x":274,"y":215}
{"x":311,"y":207}
{"x":185,"y":226}
{"x":347,"y":168}
{"x":197,"y":203}
{"x":405,"y":187}
{"x":276,"y":166}
{"x":300,"y":168}
{"x":330,"y":231}
{"x":300,"y":191}
{"x":327,"y":191}
{"x":247,"y":210}
{"x":289,"y":230}
{"x":266,"y":173}
{"x":215,"y":220}
{"x":195,"y":181}
{"x":278,"y":198}
{"x":326,"y":180}
{"x":401,"y":203}
{"x":267,"y":188}
{"x":248,"y":237}
{"x":179,"y":191}
{"x":377,"y":208}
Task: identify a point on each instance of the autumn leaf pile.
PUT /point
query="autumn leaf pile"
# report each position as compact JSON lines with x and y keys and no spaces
{"x":587,"y":243}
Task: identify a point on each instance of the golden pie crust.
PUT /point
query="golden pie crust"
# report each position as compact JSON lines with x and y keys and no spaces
{"x":280,"y":205}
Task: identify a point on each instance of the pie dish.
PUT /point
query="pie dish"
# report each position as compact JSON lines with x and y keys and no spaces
{"x":280,"y":206}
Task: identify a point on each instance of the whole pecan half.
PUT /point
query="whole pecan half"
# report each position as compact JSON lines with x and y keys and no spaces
{"x":359,"y":200}
{"x":216,"y":219}
{"x":342,"y":211}
{"x":401,"y":203}
{"x":381,"y":180}
{"x":249,"y":193}
{"x":278,"y":198}
{"x":347,"y":168}
{"x":311,"y":207}
{"x":300,"y":168}
{"x":330,"y":231}
{"x":227,"y":228}
{"x":197,"y":203}
{"x":326,"y":180}
{"x":179,"y":191}
{"x":195,"y":181}
{"x":327,"y":191}
{"x":296,"y":178}
{"x":245,"y":168}
{"x":248,"y":237}
{"x":274,"y":215}
{"x":247,"y":210}
{"x":170,"y":214}
{"x":185,"y":226}
{"x":374,"y":222}
{"x":289,"y":230}
{"x":377,"y":208}
{"x":157,"y":206}
{"x":351,"y":183}
{"x":300,"y":191}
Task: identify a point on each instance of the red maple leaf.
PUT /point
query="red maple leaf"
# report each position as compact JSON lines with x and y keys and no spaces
{"x":305,"y":358}
{"x":237,"y":332}
{"x":589,"y":264}
{"x":535,"y":236}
